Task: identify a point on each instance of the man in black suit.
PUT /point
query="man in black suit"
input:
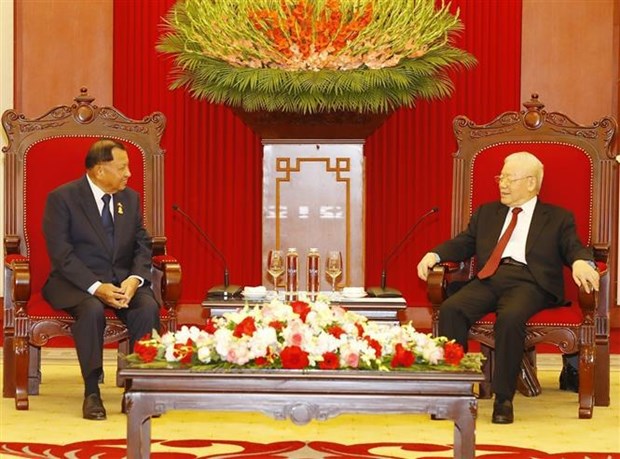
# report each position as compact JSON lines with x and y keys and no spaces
{"x":529,"y":275}
{"x":100,"y":254}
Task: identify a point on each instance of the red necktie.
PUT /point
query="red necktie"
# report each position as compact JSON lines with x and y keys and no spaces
{"x":493,"y":262}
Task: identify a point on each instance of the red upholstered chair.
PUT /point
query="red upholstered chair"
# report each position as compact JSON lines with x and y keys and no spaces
{"x":42,"y":154}
{"x":580,"y":175}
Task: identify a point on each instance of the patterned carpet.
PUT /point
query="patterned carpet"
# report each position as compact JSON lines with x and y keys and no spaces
{"x":545,"y":427}
{"x":181,"y":449}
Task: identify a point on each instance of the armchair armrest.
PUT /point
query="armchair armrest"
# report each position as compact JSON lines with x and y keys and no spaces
{"x":166,"y":280}
{"x":441,"y":275}
{"x":436,"y":284}
{"x":17,"y":280}
{"x":166,"y":275}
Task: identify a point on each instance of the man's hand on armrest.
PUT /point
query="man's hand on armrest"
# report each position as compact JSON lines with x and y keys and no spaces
{"x":426,"y":263}
{"x":584,"y":274}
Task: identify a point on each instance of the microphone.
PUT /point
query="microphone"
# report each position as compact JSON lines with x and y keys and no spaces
{"x":226,"y":290}
{"x":386,"y":292}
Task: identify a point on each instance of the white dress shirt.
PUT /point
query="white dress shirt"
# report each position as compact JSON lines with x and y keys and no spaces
{"x":516,"y":244}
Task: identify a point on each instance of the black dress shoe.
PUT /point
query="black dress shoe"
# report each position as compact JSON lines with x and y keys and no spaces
{"x":569,"y":379}
{"x":93,"y":408}
{"x":502,"y":412}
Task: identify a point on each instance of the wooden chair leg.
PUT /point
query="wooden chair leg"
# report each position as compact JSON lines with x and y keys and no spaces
{"x":602,"y":375}
{"x":34,"y":370}
{"x":8,"y":367}
{"x":484,"y":388}
{"x":22,"y":357}
{"x":528,"y":383}
{"x":587,"y":370}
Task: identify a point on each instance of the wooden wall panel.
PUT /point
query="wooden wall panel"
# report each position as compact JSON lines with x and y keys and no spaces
{"x":570,"y":56}
{"x":60,"y":46}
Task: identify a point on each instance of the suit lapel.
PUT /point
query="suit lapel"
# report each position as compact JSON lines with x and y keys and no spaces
{"x":497,"y":223}
{"x":539,"y":220}
{"x":120,"y":219}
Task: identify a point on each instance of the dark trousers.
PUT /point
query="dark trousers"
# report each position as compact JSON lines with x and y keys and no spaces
{"x":141,"y":317}
{"x":515,"y":297}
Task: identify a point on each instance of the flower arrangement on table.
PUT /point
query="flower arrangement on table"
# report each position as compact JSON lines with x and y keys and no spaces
{"x":300,"y":336}
{"x":313,"y":56}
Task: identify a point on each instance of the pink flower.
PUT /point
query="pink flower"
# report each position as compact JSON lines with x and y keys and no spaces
{"x":351,"y":359}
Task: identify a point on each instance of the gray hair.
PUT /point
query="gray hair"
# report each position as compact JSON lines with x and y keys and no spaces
{"x":530,"y":162}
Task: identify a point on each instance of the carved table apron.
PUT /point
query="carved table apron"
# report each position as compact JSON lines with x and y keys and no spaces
{"x":300,"y":396}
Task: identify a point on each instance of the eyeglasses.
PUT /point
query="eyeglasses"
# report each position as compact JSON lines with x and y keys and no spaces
{"x":508,"y":180}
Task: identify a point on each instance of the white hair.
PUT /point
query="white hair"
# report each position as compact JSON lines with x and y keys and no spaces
{"x":529,"y":162}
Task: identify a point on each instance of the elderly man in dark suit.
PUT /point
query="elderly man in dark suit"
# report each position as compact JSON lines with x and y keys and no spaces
{"x":521,"y":271}
{"x":100,"y":254}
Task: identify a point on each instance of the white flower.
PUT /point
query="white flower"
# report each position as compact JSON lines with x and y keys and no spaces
{"x":205,"y":354}
{"x":261,"y":341}
{"x":268,"y":329}
{"x":432,"y":353}
{"x":186,"y":333}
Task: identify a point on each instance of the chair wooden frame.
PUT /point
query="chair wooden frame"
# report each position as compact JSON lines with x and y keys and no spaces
{"x":24,"y":334}
{"x":590,"y":338}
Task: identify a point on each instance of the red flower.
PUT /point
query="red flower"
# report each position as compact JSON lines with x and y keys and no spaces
{"x":210,"y":326}
{"x":300,"y":27}
{"x":402,"y":357}
{"x":330,"y":361}
{"x":246,"y":327}
{"x":277,"y":325}
{"x":184,"y":352}
{"x":294,"y":358}
{"x":146,"y":353}
{"x":335,"y":330}
{"x":360,"y":329}
{"x":302,"y":308}
{"x":453,"y":353}
{"x":375,"y":345}
{"x":266,"y":360}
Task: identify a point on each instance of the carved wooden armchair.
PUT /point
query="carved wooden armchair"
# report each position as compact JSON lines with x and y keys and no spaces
{"x":580,"y":175}
{"x":43,"y":153}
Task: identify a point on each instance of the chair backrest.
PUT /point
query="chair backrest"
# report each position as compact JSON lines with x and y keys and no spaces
{"x":579,"y":168}
{"x":48,"y":151}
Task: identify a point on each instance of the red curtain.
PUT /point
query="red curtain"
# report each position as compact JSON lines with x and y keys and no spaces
{"x":214,"y":162}
{"x":409,"y":160}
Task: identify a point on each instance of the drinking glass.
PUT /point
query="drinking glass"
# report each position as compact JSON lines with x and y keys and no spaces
{"x":275,"y":266}
{"x":333,"y":266}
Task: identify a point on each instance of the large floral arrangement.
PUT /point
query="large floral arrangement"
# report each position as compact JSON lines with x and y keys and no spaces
{"x":301,"y":335}
{"x":310,"y":56}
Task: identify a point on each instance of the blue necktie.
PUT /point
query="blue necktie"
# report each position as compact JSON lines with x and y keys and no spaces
{"x":106,"y":218}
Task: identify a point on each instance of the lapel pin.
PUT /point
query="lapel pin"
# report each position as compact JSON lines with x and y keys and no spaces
{"x":119,"y":208}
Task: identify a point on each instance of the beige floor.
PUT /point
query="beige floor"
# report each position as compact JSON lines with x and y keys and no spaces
{"x":546,"y":423}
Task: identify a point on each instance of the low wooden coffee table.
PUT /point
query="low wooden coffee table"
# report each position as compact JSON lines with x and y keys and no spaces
{"x":300,"y":396}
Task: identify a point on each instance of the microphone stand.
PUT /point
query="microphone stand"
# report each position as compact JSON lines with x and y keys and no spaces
{"x":225,"y":291}
{"x":388,"y":292}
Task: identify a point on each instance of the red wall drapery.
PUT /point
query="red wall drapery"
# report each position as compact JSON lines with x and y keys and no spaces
{"x":214,"y":162}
